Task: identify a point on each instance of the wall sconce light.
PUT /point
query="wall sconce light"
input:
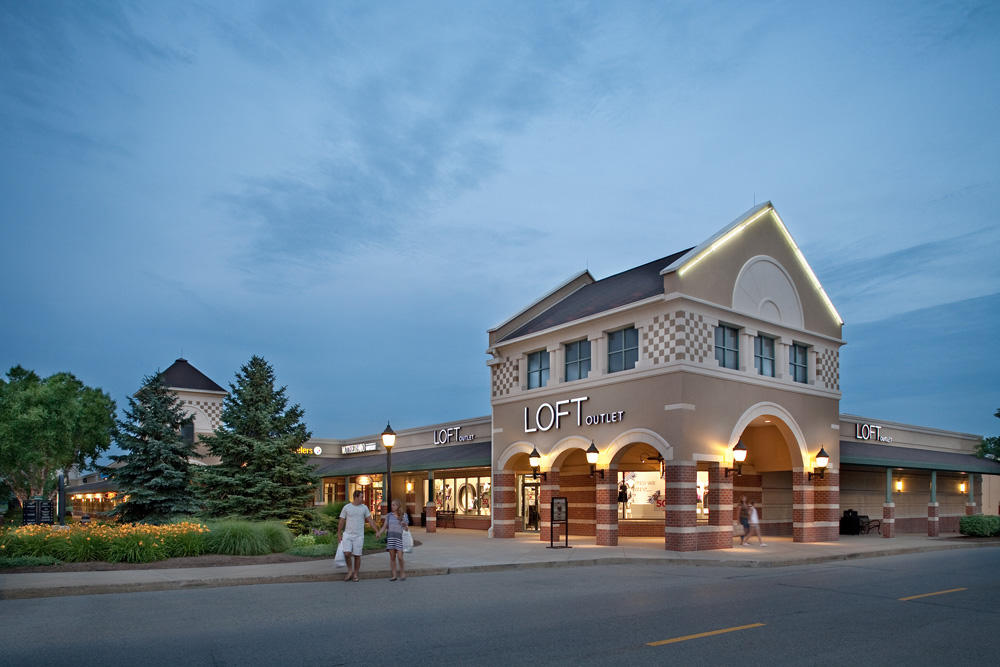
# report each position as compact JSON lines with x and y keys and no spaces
{"x":899,"y":485}
{"x":409,"y":486}
{"x":739,"y":456}
{"x":822,"y":460}
{"x":592,"y":456}
{"x":535,"y":460}
{"x":961,"y":487}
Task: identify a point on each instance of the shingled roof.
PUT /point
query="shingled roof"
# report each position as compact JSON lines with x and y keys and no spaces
{"x":622,"y":288}
{"x":182,"y":375}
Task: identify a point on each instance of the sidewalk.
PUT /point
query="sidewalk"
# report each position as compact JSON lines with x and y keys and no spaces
{"x":451,"y":551}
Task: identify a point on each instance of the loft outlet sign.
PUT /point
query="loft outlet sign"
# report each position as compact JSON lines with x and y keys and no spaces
{"x":454,"y":434}
{"x":359,"y":447}
{"x":550,"y":415}
{"x":870,"y":432}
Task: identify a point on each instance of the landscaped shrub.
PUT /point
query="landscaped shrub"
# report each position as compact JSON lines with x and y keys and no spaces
{"x":27,"y":561}
{"x":238,"y":538}
{"x":136,"y":547}
{"x":313,"y":550}
{"x":979,"y":525}
{"x":133,"y":543}
{"x":80,"y":546}
{"x":279,"y":538}
{"x":328,"y":516}
{"x":323,"y":536}
{"x":301,"y":522}
{"x":304,"y":541}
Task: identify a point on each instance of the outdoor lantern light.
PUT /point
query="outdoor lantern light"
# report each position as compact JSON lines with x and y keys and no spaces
{"x":388,"y":440}
{"x":592,"y":456}
{"x":535,"y":460}
{"x":364,"y":480}
{"x":822,"y":459}
{"x":961,"y":487}
{"x":739,"y":456}
{"x":409,"y":486}
{"x":899,"y":485}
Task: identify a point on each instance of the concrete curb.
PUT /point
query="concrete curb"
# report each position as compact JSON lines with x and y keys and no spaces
{"x":335,"y":575}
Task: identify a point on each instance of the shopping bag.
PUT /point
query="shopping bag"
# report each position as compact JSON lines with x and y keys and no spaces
{"x":407,"y":541}
{"x":339,"y":559}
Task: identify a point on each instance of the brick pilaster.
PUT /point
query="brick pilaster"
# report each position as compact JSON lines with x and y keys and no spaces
{"x":970,"y":509}
{"x":606,"y":509}
{"x":680,"y":528}
{"x":826,"y":507}
{"x":803,"y":527}
{"x":580,"y":490}
{"x":720,"y":510}
{"x":933,"y":519}
{"x":548,"y":489}
{"x":889,"y":520}
{"x":431,"y":510}
{"x":504,"y":504}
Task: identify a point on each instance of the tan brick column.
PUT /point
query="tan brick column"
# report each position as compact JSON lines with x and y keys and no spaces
{"x":826,"y":507}
{"x":431,"y":510}
{"x":504,"y":505}
{"x":889,"y":520}
{"x":933,"y":519}
{"x":719,"y":534}
{"x":803,"y":529}
{"x":606,"y":509}
{"x":548,"y":489}
{"x":680,"y":528}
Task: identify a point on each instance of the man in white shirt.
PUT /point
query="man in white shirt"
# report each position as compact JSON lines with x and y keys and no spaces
{"x":353,"y":537}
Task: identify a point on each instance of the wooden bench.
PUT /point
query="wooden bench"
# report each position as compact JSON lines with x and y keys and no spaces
{"x":867,"y":525}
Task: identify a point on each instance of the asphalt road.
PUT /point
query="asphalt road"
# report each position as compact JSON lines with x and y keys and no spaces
{"x":833,"y":614}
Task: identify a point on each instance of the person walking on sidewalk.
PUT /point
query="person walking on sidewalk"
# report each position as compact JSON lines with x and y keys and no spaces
{"x":755,"y":524}
{"x":353,"y":516}
{"x":744,"y":519}
{"x":394,"y":524}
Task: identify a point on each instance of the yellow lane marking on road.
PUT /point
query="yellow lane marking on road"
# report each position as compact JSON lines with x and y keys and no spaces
{"x":705,"y":634}
{"x":924,"y":595}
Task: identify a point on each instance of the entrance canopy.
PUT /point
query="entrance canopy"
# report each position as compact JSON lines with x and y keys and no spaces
{"x":469,"y":455}
{"x":887,"y":456}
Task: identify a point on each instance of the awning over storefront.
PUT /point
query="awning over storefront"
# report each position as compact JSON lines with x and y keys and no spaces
{"x":888,"y":456}
{"x":469,"y":455}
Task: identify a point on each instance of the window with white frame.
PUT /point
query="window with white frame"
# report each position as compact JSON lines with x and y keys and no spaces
{"x":727,"y":346}
{"x":763,"y":355}
{"x":538,"y":369}
{"x":798,"y":362}
{"x":623,"y":349}
{"x":577,"y":360}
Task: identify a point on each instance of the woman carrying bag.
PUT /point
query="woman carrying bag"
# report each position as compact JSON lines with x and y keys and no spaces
{"x":394,"y":524}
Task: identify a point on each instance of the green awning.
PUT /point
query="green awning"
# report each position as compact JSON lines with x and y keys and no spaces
{"x":890,"y":456}
{"x":468,"y":455}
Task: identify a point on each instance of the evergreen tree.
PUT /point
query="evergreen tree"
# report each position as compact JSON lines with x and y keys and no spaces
{"x":156,"y":470}
{"x":261,"y":474}
{"x":989,"y":448}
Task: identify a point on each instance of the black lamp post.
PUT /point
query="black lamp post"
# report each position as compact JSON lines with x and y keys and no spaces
{"x":388,"y":440}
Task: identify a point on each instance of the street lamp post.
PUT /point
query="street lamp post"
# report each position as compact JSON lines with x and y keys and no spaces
{"x":388,"y":440}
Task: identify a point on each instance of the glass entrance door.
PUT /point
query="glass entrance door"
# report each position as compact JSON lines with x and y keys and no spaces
{"x":529,"y":505}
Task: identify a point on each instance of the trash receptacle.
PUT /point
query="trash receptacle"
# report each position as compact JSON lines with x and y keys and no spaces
{"x":423,"y":518}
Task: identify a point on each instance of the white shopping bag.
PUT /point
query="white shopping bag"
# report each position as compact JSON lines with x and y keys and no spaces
{"x":407,"y":541}
{"x":339,"y":559}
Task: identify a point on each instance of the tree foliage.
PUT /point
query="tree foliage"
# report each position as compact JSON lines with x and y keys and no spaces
{"x":49,"y":425}
{"x":989,"y":448}
{"x":261,"y":475}
{"x":155,"y":473}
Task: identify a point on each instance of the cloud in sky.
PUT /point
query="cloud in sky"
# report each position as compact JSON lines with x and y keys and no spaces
{"x":358,"y":191}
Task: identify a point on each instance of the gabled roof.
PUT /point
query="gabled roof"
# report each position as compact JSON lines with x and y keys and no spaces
{"x":182,"y":375}
{"x":620,"y":289}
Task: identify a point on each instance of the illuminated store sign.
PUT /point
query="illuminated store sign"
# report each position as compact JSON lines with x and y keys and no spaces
{"x":549,"y":416}
{"x":358,"y":447}
{"x":310,"y":450}
{"x":870,"y":432}
{"x":453,"y":434}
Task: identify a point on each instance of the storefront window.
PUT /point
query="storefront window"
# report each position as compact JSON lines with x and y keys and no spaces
{"x":464,"y":495}
{"x":701,"y":511}
{"x":643,"y":494}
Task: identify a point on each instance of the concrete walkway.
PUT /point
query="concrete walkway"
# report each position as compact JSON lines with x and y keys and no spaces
{"x":454,"y":550}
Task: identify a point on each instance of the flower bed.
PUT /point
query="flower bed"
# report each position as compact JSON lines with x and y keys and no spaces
{"x":128,"y":543}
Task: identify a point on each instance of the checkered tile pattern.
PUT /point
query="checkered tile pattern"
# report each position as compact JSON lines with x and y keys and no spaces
{"x":678,"y":336}
{"x":505,"y":377}
{"x":211,"y":408}
{"x":828,"y":368}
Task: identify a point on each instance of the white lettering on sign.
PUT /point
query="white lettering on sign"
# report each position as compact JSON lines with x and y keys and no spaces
{"x":548,"y":416}
{"x":445,"y":435}
{"x":870,"y":432}
{"x":358,"y":447}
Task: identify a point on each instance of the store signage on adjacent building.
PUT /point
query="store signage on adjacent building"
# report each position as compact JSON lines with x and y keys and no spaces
{"x":310,"y":450}
{"x":358,"y":447}
{"x":454,"y":434}
{"x":549,"y":416}
{"x":870,"y":432}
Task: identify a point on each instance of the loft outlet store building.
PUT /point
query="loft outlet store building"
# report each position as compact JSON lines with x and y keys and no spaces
{"x":445,"y":466}
{"x":672,"y":371}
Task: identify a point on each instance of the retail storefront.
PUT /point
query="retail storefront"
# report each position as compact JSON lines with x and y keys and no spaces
{"x":447,"y":463}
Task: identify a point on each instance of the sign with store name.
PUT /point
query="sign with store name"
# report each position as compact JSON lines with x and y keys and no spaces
{"x":310,"y":450}
{"x":870,"y":432}
{"x":358,"y":447}
{"x":454,"y":434}
{"x":548,"y":416}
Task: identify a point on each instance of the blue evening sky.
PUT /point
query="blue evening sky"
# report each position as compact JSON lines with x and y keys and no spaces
{"x":358,"y":191}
